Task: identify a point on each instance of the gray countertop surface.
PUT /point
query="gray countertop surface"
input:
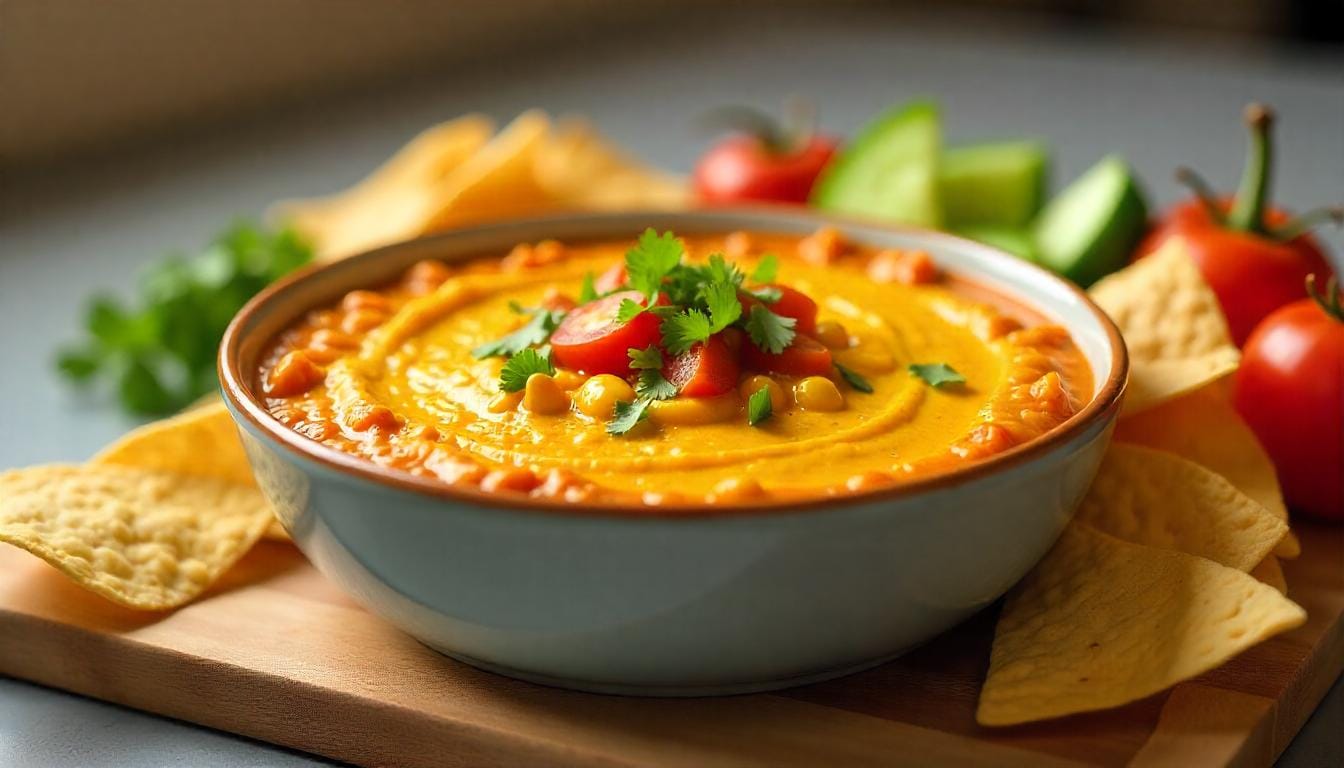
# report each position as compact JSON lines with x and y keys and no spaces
{"x":70,"y":230}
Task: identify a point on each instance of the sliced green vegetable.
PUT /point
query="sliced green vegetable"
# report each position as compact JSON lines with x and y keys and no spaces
{"x":937,"y":374}
{"x":759,"y":406}
{"x":1089,"y":230}
{"x":889,"y":170}
{"x":1001,"y":184}
{"x":1011,"y":239}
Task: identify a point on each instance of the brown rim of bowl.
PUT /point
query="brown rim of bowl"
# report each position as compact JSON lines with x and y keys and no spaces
{"x":1104,"y":402}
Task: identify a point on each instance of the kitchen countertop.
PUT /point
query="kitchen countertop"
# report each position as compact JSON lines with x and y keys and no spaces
{"x":67,"y":231}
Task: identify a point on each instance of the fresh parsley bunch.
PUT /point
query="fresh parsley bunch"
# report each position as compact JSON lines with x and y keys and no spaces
{"x":159,"y":351}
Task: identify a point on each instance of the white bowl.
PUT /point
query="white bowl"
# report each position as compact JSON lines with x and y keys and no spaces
{"x":723,"y":602}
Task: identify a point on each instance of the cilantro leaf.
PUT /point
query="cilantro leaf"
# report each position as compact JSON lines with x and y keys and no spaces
{"x":853,"y":379}
{"x":537,"y":331}
{"x":767,"y":294}
{"x":646,"y":358}
{"x":724,"y":308}
{"x":937,"y":374}
{"x":653,"y":386}
{"x":588,"y":291}
{"x":651,"y":260}
{"x":629,"y":310}
{"x":768,"y":331}
{"x":766,"y":269}
{"x":158,"y":351}
{"x":720,"y":270}
{"x":523,"y":364}
{"x":627,"y":415}
{"x":759,"y":407}
{"x":681,"y":331}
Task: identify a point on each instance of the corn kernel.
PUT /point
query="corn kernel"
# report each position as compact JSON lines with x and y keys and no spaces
{"x":818,"y":393}
{"x":779,"y":399}
{"x":598,"y":396}
{"x":832,"y":334}
{"x":543,"y":395}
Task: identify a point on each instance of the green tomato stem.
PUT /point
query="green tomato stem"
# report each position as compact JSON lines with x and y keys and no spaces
{"x":1248,"y":207}
{"x":1306,"y":222}
{"x":1202,"y":192}
{"x":1330,"y":301}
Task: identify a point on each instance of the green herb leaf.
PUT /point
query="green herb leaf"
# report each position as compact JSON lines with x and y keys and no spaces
{"x":768,"y":295}
{"x":522,"y":365}
{"x":768,"y":331}
{"x":159,"y":350}
{"x":627,"y":415}
{"x":653,"y":386}
{"x":681,"y":331}
{"x":724,"y":308}
{"x":766,"y":270}
{"x":536,"y":331}
{"x":651,"y":260}
{"x":588,"y":291}
{"x":759,"y":407}
{"x":853,"y":379}
{"x":937,"y":374}
{"x":646,"y":358}
{"x":629,"y":310}
{"x":720,"y":270}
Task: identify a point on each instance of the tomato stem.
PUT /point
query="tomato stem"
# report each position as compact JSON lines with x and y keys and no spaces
{"x":752,"y":122}
{"x":1302,"y":224}
{"x":1330,"y":301}
{"x":1248,"y":207}
{"x":1202,"y":192}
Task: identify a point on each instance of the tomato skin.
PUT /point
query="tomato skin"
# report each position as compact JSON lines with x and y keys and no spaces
{"x":1290,"y":389}
{"x":804,"y":357}
{"x":707,"y":369}
{"x":590,"y":339}
{"x":612,"y":279}
{"x":792,"y":303}
{"x":744,"y":168}
{"x":1251,"y":275}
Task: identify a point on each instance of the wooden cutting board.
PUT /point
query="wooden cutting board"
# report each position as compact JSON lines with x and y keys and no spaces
{"x":277,"y":653}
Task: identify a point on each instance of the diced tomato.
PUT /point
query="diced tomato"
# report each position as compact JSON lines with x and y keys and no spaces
{"x":611,"y":279}
{"x":804,"y":357}
{"x":792,"y":303}
{"x":591,"y":340}
{"x":707,"y":369}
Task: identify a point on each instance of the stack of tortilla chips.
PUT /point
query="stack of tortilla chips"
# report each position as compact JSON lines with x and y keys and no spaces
{"x":1169,"y":569}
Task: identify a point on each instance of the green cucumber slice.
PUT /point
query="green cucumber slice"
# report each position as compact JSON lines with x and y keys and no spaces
{"x":1090,"y":228}
{"x":889,"y":171}
{"x":1000,"y":184}
{"x":1015,"y":240}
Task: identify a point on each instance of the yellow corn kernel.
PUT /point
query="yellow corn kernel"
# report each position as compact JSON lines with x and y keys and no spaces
{"x":818,"y":393}
{"x":872,"y":357}
{"x":779,"y":399}
{"x":832,"y":334}
{"x":504,"y":402}
{"x":598,"y":396}
{"x":569,"y":380}
{"x":695,"y":410}
{"x":542,"y":394}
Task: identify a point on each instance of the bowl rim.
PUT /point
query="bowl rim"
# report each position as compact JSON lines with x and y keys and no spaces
{"x":1104,"y":404}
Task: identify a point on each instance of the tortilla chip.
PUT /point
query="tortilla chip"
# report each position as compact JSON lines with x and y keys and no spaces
{"x":202,"y":443}
{"x":143,"y":538}
{"x":394,"y":201}
{"x":1159,"y":499}
{"x":581,"y":170}
{"x":1175,"y":331}
{"x":1204,"y":427}
{"x":1270,"y":572}
{"x":1102,"y":622}
{"x":496,"y":182}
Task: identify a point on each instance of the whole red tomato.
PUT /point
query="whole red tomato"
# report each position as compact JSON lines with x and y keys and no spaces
{"x":761,"y":163}
{"x":1290,"y":389}
{"x":1254,"y":258}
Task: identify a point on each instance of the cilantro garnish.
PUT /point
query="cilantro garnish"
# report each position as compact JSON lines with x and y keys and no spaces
{"x":627,"y":415}
{"x":721,"y":300}
{"x":649,"y":357}
{"x":651,"y":260}
{"x":159,"y":351}
{"x":769,"y":331}
{"x":652,"y":385}
{"x":537,"y":331}
{"x":937,"y":374}
{"x":522,"y":365}
{"x":629,"y":310}
{"x":766,"y":270}
{"x":766,"y":294}
{"x":587,"y":291}
{"x":720,"y":270}
{"x":759,"y":407}
{"x":684,"y":329}
{"x":853,"y":379}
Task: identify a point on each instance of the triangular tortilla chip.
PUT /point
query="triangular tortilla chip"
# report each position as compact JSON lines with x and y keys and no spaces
{"x":1101,"y":622}
{"x":1175,"y":331}
{"x":1204,"y":427}
{"x":585,"y":172}
{"x":1270,"y":572}
{"x":1159,"y":499}
{"x":496,"y":182}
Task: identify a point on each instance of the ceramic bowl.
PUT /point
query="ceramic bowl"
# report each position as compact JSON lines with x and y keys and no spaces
{"x":723,"y":602}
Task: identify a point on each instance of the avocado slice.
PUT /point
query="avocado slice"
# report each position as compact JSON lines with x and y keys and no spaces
{"x":890,"y":169}
{"x":999,"y":185}
{"x":1015,"y":240}
{"x":1090,"y":228}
